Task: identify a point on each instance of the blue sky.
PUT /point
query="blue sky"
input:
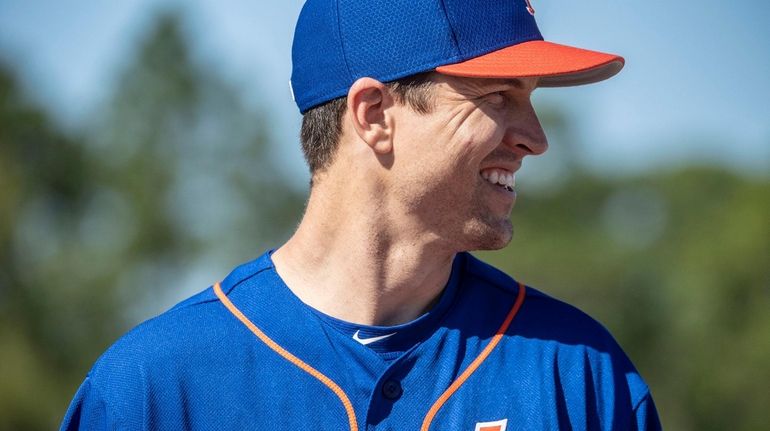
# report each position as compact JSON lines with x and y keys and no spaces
{"x":695,"y":87}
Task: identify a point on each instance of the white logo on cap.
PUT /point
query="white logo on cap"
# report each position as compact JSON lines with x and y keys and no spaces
{"x":530,"y":9}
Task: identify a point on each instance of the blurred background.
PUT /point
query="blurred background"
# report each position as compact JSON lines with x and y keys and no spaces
{"x":148,"y":146}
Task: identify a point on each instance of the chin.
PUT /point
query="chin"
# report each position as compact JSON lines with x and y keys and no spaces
{"x":486,"y":237}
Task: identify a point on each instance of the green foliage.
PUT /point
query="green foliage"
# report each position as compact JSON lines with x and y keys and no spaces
{"x":43,"y":185}
{"x":95,"y":229}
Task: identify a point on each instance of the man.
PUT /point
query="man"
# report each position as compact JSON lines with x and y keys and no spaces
{"x":417,"y":116}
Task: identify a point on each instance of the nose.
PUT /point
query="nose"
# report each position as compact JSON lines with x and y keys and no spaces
{"x":525,"y":134}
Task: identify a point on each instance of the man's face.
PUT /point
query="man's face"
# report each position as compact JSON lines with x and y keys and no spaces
{"x":454,"y":166}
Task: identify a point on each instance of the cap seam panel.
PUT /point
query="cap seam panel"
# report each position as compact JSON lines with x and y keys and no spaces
{"x":451,"y":28}
{"x":342,"y":40}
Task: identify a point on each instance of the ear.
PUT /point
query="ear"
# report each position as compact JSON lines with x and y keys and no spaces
{"x":368,"y":103}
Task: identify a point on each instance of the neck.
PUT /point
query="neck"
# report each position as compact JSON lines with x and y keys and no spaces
{"x":350,"y":259}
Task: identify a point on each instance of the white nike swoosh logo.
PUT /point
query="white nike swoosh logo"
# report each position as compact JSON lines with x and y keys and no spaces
{"x":371,"y":340}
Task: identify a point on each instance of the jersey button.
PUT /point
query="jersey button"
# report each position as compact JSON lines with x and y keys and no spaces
{"x":391,"y":389}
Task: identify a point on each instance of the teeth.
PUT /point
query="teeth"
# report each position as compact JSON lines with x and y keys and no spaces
{"x":500,"y":177}
{"x":494,"y":176}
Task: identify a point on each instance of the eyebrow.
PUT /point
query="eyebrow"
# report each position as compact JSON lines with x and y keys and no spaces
{"x":514,"y":82}
{"x":495,"y":84}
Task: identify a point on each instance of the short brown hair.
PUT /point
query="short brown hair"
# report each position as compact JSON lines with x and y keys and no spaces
{"x":322,"y":125}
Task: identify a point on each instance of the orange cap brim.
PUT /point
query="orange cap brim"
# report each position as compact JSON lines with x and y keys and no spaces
{"x":556,"y":65}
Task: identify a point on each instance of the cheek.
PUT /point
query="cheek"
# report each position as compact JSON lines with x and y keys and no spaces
{"x":476,"y":141}
{"x":444,"y":150}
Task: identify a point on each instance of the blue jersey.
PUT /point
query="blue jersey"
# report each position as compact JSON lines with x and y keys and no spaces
{"x":491,"y":355}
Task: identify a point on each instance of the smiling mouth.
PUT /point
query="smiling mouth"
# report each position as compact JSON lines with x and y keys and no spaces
{"x":500,"y":177}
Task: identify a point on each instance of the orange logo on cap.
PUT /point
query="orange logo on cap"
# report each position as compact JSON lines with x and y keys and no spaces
{"x":530,"y":9}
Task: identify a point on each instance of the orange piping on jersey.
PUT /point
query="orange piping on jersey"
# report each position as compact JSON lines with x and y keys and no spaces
{"x":476,"y":362}
{"x":289,"y":357}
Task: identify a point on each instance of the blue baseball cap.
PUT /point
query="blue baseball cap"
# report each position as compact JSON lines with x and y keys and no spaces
{"x":337,"y":42}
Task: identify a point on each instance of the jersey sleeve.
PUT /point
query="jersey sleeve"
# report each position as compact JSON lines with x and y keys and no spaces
{"x":88,"y":410}
{"x":647,"y":415}
{"x":139,"y":382}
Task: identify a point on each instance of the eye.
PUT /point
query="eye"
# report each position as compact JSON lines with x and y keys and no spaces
{"x":496,"y":98}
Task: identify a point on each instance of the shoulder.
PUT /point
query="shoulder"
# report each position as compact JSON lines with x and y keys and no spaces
{"x":175,"y":346}
{"x":186,"y":325}
{"x":115,"y":392}
{"x":541,"y":315}
{"x":549,"y":331}
{"x":157,"y":365}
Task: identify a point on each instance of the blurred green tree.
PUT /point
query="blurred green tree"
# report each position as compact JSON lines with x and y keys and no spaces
{"x":186,"y":168}
{"x":100,"y":231}
{"x":43,"y":190}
